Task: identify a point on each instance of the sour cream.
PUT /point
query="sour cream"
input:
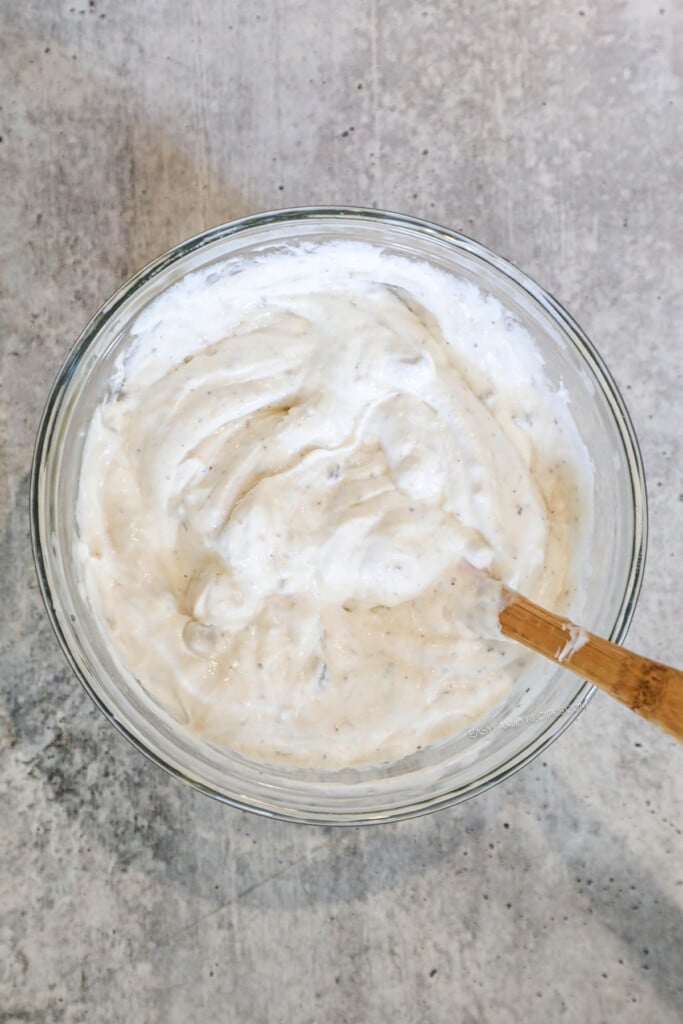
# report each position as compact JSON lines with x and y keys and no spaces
{"x":301,"y":455}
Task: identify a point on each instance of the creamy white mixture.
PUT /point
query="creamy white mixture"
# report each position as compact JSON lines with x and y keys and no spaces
{"x":279,"y":501}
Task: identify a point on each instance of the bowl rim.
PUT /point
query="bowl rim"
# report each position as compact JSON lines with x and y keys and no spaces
{"x":580,"y":698}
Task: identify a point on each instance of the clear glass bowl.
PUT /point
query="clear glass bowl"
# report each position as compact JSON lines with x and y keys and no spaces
{"x":538,"y":708}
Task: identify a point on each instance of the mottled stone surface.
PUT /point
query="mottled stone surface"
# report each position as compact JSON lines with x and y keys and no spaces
{"x":552,"y":132}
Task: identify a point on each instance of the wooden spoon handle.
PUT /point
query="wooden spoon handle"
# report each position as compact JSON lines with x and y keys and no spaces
{"x":653,"y":690}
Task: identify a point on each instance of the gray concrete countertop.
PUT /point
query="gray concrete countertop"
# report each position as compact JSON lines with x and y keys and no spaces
{"x":553,"y":133}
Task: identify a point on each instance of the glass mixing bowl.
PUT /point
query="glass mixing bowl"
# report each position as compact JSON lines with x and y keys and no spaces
{"x":539,"y":706}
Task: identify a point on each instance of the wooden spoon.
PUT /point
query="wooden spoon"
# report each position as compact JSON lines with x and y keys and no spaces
{"x":653,"y":690}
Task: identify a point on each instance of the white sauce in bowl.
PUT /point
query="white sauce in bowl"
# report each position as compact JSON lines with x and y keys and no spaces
{"x":276,"y":500}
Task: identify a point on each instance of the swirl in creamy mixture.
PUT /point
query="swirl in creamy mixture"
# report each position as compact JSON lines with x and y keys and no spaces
{"x":276,"y":503}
